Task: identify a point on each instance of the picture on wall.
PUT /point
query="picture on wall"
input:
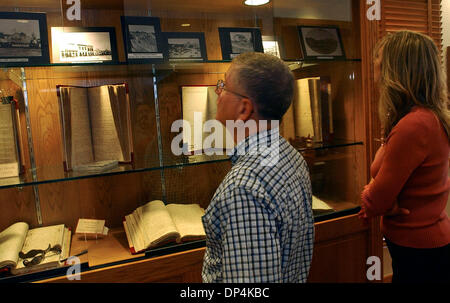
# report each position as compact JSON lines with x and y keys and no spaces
{"x":319,"y":42}
{"x":143,"y":39}
{"x":235,"y":41}
{"x":84,"y":44}
{"x":23,"y":39}
{"x":186,"y":46}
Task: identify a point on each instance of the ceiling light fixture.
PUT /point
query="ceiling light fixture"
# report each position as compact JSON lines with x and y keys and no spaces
{"x":256,"y":2}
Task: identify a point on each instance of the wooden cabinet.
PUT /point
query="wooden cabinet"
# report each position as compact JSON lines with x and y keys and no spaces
{"x":45,"y":194}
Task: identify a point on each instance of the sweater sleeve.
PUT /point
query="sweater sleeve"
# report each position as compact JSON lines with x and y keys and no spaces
{"x":405,"y":150}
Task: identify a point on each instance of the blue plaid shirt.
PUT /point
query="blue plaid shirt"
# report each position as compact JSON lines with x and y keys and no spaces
{"x":259,"y":225}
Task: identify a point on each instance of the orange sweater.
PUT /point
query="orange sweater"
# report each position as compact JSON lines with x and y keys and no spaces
{"x":412,"y":169}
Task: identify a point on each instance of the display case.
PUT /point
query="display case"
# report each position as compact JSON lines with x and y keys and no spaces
{"x":47,"y":193}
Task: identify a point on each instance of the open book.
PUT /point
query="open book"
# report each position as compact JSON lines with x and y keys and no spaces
{"x":155,"y":224}
{"x":19,"y":238}
{"x":96,"y":126}
{"x":10,"y":151}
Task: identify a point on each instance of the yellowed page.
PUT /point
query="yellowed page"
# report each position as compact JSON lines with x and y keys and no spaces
{"x":8,"y":151}
{"x":194,"y":100}
{"x":135,"y":232}
{"x":303,"y":115}
{"x":104,"y":134}
{"x":316,"y":107}
{"x":11,"y":242}
{"x":320,"y":206}
{"x":118,"y":97}
{"x":82,"y":151}
{"x":156,"y":223}
{"x":41,"y":238}
{"x":66,"y":244}
{"x":187,"y":219}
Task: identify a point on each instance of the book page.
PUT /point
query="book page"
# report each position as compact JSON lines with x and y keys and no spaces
{"x":316,"y":108}
{"x":135,"y":234}
{"x":8,"y":149}
{"x":11,"y":242}
{"x":194,"y":101}
{"x":118,"y":97}
{"x":81,"y":151}
{"x":303,"y":116}
{"x":188,"y":220}
{"x":104,"y":133}
{"x":41,"y":238}
{"x":320,"y":206}
{"x":156,"y":223}
{"x":65,"y":253}
{"x":200,"y":105}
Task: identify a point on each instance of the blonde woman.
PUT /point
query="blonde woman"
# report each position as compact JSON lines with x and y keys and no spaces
{"x":410,"y":184}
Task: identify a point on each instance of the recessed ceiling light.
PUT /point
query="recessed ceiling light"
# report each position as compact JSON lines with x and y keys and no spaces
{"x":256,"y":2}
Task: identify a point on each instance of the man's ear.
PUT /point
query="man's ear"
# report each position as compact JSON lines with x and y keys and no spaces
{"x":246,"y":109}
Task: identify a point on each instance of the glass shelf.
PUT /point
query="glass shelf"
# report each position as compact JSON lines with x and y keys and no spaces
{"x":335,"y":143}
{"x":109,"y":69}
{"x":48,"y":175}
{"x":56,"y":174}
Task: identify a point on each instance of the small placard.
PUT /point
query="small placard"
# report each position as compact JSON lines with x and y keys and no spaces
{"x":91,"y":226}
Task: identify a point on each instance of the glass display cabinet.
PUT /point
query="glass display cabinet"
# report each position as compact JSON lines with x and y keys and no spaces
{"x":97,"y":44}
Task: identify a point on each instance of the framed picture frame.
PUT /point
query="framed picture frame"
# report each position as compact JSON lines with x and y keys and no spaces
{"x":321,"y":42}
{"x":23,"y":39}
{"x":144,"y":42}
{"x":84,"y":45}
{"x":186,"y":46}
{"x":235,"y":41}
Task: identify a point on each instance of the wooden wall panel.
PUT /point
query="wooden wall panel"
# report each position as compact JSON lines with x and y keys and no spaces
{"x":341,"y":249}
{"x":423,"y":16}
{"x":17,"y":205}
{"x":109,"y":198}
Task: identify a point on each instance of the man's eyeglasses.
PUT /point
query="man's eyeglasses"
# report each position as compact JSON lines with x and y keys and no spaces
{"x":38,"y":255}
{"x":220,"y":86}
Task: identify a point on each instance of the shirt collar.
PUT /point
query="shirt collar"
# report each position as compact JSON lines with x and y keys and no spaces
{"x":252,"y":143}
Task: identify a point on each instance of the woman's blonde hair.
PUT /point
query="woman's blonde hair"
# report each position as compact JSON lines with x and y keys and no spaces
{"x":411,"y":74}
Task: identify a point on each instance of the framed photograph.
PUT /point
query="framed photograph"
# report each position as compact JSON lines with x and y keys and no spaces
{"x":84,"y":44}
{"x":321,"y":43}
{"x":235,"y":41}
{"x":186,"y":46}
{"x":144,"y":42}
{"x":23,"y":39}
